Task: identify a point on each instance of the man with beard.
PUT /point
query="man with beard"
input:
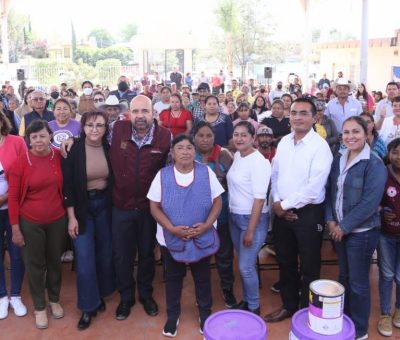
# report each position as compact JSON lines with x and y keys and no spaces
{"x":123,"y":91}
{"x":139,"y":149}
{"x":265,"y":143}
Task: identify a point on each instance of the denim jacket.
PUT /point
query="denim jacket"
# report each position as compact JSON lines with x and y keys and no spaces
{"x":362,"y":192}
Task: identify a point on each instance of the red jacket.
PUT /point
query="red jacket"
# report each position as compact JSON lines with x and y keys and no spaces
{"x":134,"y":169}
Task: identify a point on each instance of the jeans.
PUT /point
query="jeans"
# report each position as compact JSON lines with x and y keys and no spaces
{"x":248,"y":255}
{"x":389,"y":270}
{"x":174,"y":275}
{"x":17,"y":265}
{"x":355,"y":254}
{"x":93,"y":254}
{"x":133,"y":230}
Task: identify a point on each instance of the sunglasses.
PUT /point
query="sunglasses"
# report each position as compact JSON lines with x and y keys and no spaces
{"x":99,"y":100}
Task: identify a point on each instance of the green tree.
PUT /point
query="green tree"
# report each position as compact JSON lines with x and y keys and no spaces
{"x":85,"y":54}
{"x":128,"y":32}
{"x":124,"y":54}
{"x":246,"y":27}
{"x":227,"y":14}
{"x":103,"y":37}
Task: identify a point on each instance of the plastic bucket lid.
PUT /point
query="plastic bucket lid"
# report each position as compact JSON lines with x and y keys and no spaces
{"x":302,"y":330}
{"x":235,"y":324}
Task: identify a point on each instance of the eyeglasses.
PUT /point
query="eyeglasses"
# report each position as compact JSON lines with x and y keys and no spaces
{"x":39,"y":99}
{"x":97,"y":126}
{"x":98,"y":100}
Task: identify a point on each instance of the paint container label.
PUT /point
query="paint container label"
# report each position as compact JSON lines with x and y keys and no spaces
{"x":325,"y":312}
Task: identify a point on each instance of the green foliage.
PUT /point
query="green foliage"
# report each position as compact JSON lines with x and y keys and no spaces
{"x":91,"y":56}
{"x":19,"y":36}
{"x":103,"y":37}
{"x":128,"y":32}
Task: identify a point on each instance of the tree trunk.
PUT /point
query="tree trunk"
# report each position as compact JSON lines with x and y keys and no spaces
{"x":229,"y":52}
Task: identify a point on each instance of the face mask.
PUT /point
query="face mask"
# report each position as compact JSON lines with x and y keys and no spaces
{"x":54,"y":95}
{"x":123,"y":86}
{"x":279,"y":87}
{"x":98,"y":104}
{"x":87,"y":91}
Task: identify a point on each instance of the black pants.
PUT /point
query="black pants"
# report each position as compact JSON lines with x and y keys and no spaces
{"x":133,"y":230}
{"x":174,"y":275}
{"x":299,"y":239}
{"x":224,"y":257}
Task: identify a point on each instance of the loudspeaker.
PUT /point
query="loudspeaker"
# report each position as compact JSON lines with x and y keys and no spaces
{"x":20,"y":74}
{"x":268,"y":72}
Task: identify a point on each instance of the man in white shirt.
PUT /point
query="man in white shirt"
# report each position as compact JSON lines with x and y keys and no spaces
{"x":299,"y":172}
{"x":344,"y":106}
{"x":384,"y":107}
{"x":277,"y":93}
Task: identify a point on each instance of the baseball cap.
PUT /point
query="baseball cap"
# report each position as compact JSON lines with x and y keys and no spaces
{"x":264,"y":130}
{"x":203,"y":86}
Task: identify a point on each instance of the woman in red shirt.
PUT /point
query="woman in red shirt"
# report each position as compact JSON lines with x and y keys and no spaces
{"x":38,"y":218}
{"x":176,"y":118}
{"x":10,"y":148}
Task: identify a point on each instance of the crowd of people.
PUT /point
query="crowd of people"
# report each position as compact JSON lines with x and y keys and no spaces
{"x":198,"y":170}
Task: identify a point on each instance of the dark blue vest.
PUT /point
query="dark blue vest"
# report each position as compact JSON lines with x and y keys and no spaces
{"x":188,"y":206}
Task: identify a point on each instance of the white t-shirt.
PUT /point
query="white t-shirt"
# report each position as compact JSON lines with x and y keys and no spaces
{"x":184,"y":180}
{"x":160,"y":106}
{"x":3,"y":185}
{"x":389,"y":131}
{"x":248,"y":179}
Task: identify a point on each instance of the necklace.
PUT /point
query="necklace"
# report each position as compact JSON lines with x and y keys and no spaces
{"x":51,"y":158}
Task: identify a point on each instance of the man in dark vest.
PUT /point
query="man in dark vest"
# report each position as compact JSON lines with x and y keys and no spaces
{"x":139,"y":149}
{"x":38,"y":98}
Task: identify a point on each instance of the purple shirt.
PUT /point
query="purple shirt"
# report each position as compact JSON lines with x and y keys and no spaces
{"x":72,"y":129}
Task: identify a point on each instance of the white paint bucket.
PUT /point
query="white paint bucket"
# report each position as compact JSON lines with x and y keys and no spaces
{"x":325,"y":311}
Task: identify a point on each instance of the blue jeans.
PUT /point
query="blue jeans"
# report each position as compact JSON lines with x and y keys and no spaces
{"x":248,"y":255}
{"x":17,"y":265}
{"x":389,"y":270}
{"x":94,"y":258}
{"x":355,"y":254}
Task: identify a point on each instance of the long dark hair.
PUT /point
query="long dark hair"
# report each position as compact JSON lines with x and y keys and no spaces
{"x":370,"y":116}
{"x":364,"y":94}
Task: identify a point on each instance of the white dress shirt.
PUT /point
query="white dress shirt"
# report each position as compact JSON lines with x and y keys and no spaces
{"x":300,"y":171}
{"x":384,"y":103}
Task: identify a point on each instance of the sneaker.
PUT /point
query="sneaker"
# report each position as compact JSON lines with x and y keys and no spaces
{"x":363,"y":337}
{"x":396,"y":318}
{"x":276,"y":287}
{"x":170,"y":328}
{"x":67,"y":256}
{"x":41,"y":319}
{"x":385,"y":325}
{"x":56,"y":310}
{"x":229,"y":298}
{"x":4,"y":302}
{"x":18,"y":306}
{"x":269,"y":249}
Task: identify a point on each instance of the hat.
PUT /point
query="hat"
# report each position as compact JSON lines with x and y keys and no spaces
{"x":343,"y":82}
{"x":113,"y":101}
{"x":320,"y":105}
{"x":264,"y":130}
{"x":203,"y":86}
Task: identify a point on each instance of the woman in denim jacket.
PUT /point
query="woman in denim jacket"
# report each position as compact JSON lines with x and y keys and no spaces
{"x":354,"y":190}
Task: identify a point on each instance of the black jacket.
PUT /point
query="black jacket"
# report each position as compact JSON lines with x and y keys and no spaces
{"x":75,"y":181}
